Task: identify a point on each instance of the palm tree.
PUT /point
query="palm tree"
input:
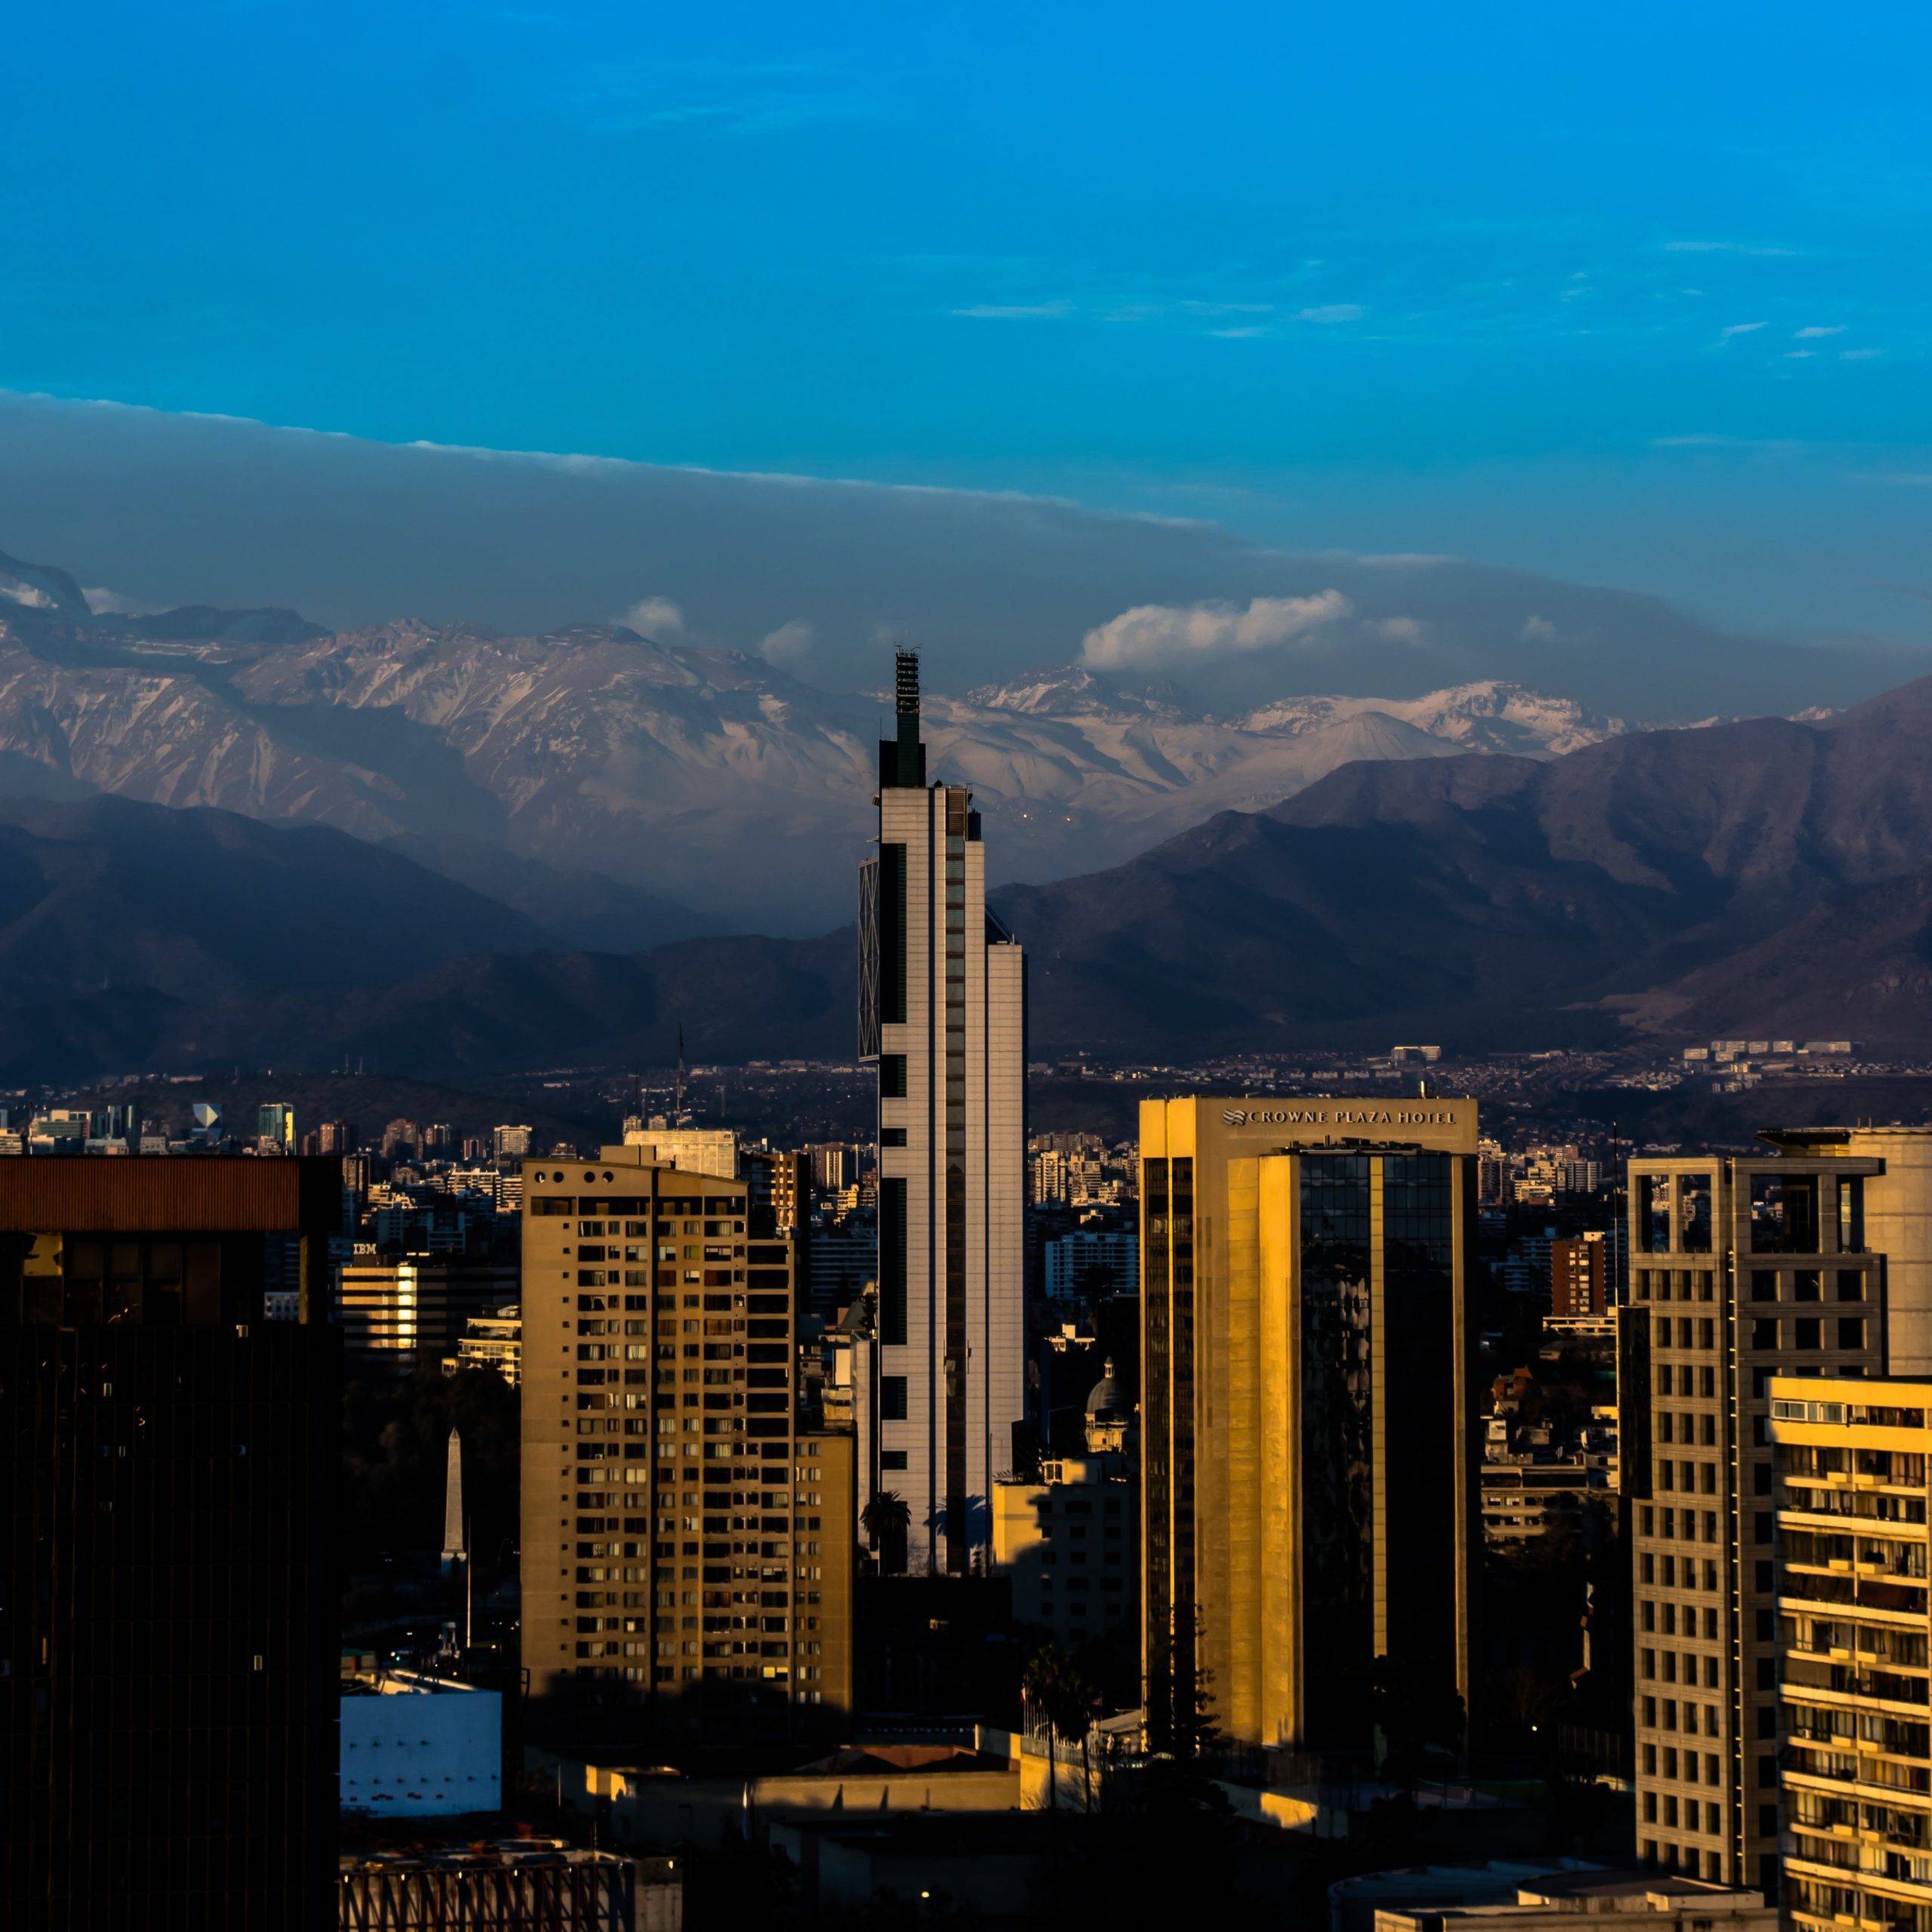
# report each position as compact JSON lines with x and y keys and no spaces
{"x":887,"y":1520}
{"x":1057,"y":1690}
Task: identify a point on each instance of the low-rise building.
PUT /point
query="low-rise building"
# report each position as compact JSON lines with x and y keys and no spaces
{"x":419,"y":1747}
{"x":494,"y":1341}
{"x":1501,"y":1897}
{"x":397,"y":1315}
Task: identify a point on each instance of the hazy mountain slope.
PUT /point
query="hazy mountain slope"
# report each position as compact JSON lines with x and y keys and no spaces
{"x":704,"y":777}
{"x":107,"y":893}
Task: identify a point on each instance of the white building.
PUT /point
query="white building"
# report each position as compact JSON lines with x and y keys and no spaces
{"x":417,"y":1747}
{"x":1110,"y":1254}
{"x":942,"y":1013}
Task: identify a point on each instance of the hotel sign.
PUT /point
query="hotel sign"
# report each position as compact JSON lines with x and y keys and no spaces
{"x":1367,"y":1116}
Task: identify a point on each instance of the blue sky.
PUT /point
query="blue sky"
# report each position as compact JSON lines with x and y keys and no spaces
{"x":1634,"y":294}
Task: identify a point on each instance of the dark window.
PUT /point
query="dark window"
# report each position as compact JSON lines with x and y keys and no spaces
{"x":892,"y":1260}
{"x":892,"y":1397}
{"x":892,"y":1076}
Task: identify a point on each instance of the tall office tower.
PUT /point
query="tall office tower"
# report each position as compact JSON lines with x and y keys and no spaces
{"x":1307,"y":1457}
{"x":168,"y":1567}
{"x":275,"y":1127}
{"x":682,"y":1537}
{"x":943,"y":1011}
{"x":1852,"y":1497}
{"x":1742,"y":1268}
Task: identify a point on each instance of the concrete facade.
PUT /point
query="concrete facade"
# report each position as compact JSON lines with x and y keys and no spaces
{"x":680,"y":1535}
{"x":1742,"y":1268}
{"x":942,"y":1012}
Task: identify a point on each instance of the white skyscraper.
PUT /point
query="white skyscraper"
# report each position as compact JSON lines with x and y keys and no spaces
{"x":942,"y":1005}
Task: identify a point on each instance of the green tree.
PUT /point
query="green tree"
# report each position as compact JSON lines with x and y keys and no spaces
{"x":1060,"y":1697}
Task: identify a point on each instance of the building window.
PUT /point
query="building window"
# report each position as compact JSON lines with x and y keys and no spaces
{"x":892,"y":1458}
{"x":892,"y":1397}
{"x":892,"y":1076}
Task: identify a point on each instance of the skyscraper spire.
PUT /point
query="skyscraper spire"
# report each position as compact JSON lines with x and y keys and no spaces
{"x":902,"y":758}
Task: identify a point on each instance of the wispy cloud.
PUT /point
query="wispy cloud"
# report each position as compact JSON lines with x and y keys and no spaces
{"x":726,"y":97}
{"x":1818,"y":331}
{"x":655,"y":617}
{"x":1860,"y":355}
{"x":1151,"y":635}
{"x":1016,"y":312}
{"x":1708,"y":439}
{"x":1737,"y":328}
{"x":790,"y":644}
{"x":1332,"y":311}
{"x":1758,"y":249}
{"x":106,"y":603}
{"x":1246,"y":333}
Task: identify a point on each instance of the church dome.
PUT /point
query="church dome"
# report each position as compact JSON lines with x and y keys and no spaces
{"x":1105,"y":1398}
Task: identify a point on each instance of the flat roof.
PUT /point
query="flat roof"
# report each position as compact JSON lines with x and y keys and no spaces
{"x":169,"y":1194}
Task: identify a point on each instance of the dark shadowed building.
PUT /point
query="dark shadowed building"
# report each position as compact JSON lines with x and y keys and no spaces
{"x":168,"y":1467}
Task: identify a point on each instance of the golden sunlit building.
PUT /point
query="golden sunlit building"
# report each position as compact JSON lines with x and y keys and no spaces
{"x":1308,"y":1452}
{"x":1853,"y":1631}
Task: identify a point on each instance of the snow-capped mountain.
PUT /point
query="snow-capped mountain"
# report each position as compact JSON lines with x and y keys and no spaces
{"x":704,"y":775}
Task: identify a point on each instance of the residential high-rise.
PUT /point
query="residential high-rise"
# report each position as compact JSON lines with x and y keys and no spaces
{"x":1579,"y":1274}
{"x":1742,"y":1268}
{"x":168,"y":1568}
{"x":1854,"y":1550}
{"x":682,"y":1535}
{"x":942,"y":1013}
{"x":1307,"y":1455}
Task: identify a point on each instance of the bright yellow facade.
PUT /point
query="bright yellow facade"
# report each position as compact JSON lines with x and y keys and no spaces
{"x":1854,"y":1626}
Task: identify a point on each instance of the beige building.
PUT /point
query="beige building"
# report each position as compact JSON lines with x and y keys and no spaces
{"x":493,"y":1341}
{"x":1308,"y":1449}
{"x":1070,"y":1541}
{"x":1853,"y":1630}
{"x":1741,"y":1268}
{"x":1898,"y":1226}
{"x":680,"y":1535}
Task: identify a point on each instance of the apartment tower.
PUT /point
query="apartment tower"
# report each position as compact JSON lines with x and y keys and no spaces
{"x":168,"y":1563}
{"x":943,"y":1013}
{"x":1307,"y":1455}
{"x":684,"y":1542}
{"x":1852,"y":1496}
{"x":1742,"y":1268}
